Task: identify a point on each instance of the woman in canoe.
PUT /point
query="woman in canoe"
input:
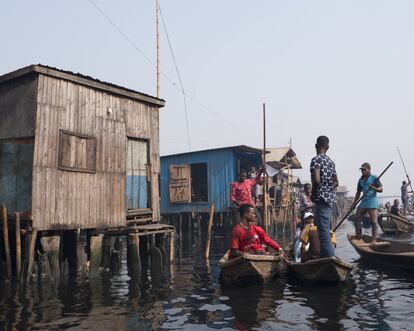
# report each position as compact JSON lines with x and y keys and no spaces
{"x":248,"y":237}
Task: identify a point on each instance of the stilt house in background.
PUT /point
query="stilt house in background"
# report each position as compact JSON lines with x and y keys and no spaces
{"x":191,"y":182}
{"x":76,"y":152}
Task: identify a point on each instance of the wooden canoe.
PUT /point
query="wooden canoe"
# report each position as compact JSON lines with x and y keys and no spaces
{"x":386,"y":252}
{"x":395,"y":223}
{"x":327,"y":270}
{"x":250,"y":268}
{"x":366,"y":221}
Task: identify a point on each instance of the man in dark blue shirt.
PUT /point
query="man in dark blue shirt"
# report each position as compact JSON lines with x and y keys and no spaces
{"x":324,"y":183}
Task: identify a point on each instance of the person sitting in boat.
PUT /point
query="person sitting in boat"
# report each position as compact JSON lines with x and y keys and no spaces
{"x":395,"y":209}
{"x":309,"y":239}
{"x":248,"y":237}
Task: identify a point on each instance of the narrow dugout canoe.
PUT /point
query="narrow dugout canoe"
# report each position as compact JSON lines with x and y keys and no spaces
{"x":395,"y":223}
{"x":366,"y":221}
{"x":250,"y":268}
{"x":385,"y":252}
{"x":327,"y":270}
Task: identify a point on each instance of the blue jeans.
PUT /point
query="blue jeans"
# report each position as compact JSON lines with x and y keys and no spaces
{"x":323,"y":213}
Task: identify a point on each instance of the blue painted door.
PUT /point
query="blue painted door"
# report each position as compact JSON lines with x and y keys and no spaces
{"x":136,"y":179}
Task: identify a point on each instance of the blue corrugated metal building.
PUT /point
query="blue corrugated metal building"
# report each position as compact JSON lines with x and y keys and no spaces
{"x":191,"y":182}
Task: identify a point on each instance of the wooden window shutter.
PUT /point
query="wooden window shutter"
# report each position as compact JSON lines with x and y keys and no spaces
{"x":77,"y":152}
{"x":180,"y":184}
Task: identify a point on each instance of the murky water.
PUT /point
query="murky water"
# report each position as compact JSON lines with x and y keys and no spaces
{"x":193,"y":299}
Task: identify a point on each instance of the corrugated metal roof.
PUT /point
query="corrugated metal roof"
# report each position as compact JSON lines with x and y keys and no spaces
{"x":84,"y":80}
{"x":238,"y":148}
{"x":276,"y":156}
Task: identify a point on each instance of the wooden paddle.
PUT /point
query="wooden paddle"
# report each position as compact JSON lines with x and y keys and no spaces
{"x":359,"y":200}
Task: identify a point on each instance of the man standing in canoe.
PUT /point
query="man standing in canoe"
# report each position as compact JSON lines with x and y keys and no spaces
{"x":370,"y":185}
{"x":404,"y":194}
{"x":248,"y":237}
{"x":324,"y":183}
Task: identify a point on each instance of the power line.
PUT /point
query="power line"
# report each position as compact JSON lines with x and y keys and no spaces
{"x":179,"y":77}
{"x":129,"y":40}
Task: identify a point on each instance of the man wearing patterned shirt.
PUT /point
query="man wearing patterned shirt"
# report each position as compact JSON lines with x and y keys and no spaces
{"x":324,"y":183}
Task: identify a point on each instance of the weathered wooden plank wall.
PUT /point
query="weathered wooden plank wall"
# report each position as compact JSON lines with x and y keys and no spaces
{"x":17,"y":108}
{"x":70,"y":199}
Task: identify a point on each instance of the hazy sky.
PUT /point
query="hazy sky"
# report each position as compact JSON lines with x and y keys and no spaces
{"x":340,"y":68}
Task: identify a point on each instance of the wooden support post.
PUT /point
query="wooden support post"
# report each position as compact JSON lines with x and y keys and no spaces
{"x":18,"y":245}
{"x":107,"y":250}
{"x":209,"y":226}
{"x":51,"y":247}
{"x":6,"y":242}
{"x":95,"y":254}
{"x":156,"y":259}
{"x":180,"y":224}
{"x":31,"y":236}
{"x":160,"y":244}
{"x":134,"y":257}
{"x":172,"y":246}
{"x":70,"y":249}
{"x":190,"y":231}
{"x":116,"y":255}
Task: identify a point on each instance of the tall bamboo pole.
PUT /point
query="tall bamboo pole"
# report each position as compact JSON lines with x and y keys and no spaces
{"x":265,"y":218}
{"x":209,"y":226}
{"x":18,"y":245}
{"x":157,"y":13}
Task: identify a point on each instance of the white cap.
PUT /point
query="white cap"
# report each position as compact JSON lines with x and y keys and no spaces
{"x":307,"y":215}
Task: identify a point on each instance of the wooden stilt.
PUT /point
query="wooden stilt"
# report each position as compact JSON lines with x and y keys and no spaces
{"x":106,"y":254}
{"x":209,"y":226}
{"x":156,"y":259}
{"x":134,"y":257}
{"x":172,"y":247}
{"x":30,"y":254}
{"x":18,"y":245}
{"x":95,"y":254}
{"x":160,"y":244}
{"x":180,"y":224}
{"x":51,"y":246}
{"x":6,"y":242}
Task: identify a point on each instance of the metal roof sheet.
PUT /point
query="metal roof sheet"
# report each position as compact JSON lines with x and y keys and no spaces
{"x":83,"y":80}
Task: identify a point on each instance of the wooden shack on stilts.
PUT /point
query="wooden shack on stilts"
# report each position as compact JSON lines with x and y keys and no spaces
{"x":78,"y":157}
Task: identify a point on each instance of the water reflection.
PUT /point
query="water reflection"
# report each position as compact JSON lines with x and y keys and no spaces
{"x":191,"y":298}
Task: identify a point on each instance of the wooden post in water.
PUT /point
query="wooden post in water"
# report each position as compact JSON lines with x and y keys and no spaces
{"x":209,"y":226}
{"x":51,"y":246}
{"x":265,"y":218}
{"x":156,"y":259}
{"x":31,"y":235}
{"x":180,"y":224}
{"x":172,"y":247}
{"x":134,"y":257}
{"x":6,"y":242}
{"x":18,"y":245}
{"x":95,"y":254}
{"x":106,"y":252}
{"x":160,"y":244}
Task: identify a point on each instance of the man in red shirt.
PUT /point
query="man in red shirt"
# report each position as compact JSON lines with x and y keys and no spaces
{"x":241,"y":191}
{"x":249,"y":238}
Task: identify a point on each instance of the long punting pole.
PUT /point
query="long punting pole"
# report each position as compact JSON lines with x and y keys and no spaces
{"x":265,"y":220}
{"x":157,"y":13}
{"x":359,"y":200}
{"x":405,"y":169}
